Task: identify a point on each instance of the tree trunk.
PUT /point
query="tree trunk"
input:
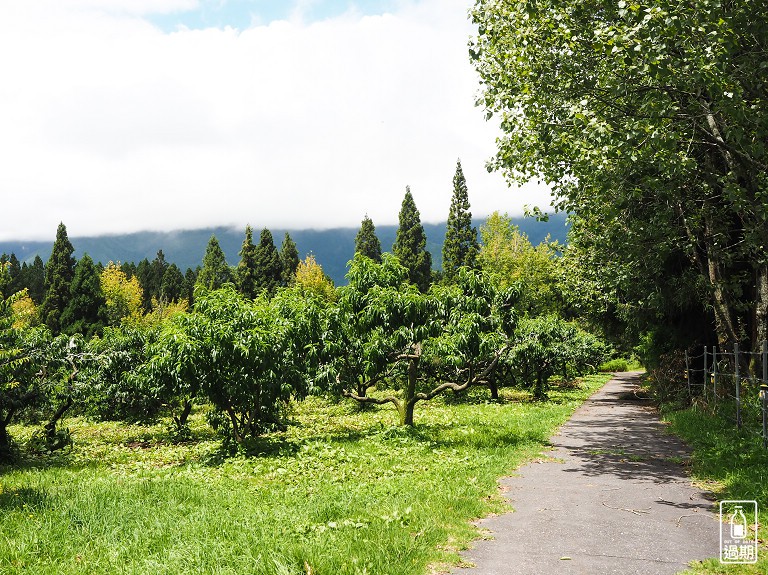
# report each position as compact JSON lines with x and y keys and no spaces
{"x":760,"y":327}
{"x":494,"y":387}
{"x":235,"y":427}
{"x":181,"y":421}
{"x":50,"y":427}
{"x":726,"y":329}
{"x":409,"y":401}
{"x":761,"y":307}
{"x":539,"y":391}
{"x":5,"y":444}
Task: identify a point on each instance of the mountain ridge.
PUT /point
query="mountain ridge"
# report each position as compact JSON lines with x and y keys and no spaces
{"x":332,"y":248}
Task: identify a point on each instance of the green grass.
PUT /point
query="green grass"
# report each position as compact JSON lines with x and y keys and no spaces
{"x":343,"y":491}
{"x":733,"y":465}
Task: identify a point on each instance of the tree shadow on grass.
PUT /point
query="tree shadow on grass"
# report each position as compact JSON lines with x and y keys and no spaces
{"x":23,"y":498}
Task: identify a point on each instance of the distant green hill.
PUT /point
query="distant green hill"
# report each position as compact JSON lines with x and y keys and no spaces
{"x":332,"y":248}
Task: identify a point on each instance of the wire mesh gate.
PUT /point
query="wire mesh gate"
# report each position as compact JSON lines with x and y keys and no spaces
{"x":735,"y":381}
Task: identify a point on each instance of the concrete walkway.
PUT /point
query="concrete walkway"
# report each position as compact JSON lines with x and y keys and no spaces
{"x":611,"y":497}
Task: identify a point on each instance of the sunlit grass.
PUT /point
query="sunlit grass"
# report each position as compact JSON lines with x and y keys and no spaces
{"x":732,"y":464}
{"x":343,"y":491}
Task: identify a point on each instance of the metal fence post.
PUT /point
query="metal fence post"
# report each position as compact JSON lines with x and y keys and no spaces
{"x":764,"y":405}
{"x":688,"y":372}
{"x":714,"y":372}
{"x":738,"y":384}
{"x":706,"y":371}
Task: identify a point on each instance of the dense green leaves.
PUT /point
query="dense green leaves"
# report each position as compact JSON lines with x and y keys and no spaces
{"x":246,"y":274}
{"x":650,"y":123}
{"x":460,"y":247}
{"x":546,"y":346}
{"x":19,"y":384}
{"x":289,"y":258}
{"x":410,"y":245}
{"x":366,"y":241}
{"x":269,"y":266}
{"x":58,"y":279}
{"x":86,"y":311}
{"x":215,"y":271}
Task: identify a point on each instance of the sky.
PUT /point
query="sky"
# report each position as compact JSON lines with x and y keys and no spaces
{"x":129,"y":115}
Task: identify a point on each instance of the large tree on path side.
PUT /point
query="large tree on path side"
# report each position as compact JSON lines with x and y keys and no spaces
{"x":649,"y":122}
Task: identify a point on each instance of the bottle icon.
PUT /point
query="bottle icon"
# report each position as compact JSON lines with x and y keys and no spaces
{"x":738,"y":524}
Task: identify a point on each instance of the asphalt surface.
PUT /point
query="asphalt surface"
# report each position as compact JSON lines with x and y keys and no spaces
{"x":612,"y":496}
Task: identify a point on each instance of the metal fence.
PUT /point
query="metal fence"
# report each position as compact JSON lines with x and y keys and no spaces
{"x":734,"y":382}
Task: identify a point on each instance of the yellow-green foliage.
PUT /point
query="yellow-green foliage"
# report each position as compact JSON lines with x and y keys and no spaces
{"x":312,"y":279}
{"x":509,"y":258}
{"x":123,"y":295}
{"x":24,"y":311}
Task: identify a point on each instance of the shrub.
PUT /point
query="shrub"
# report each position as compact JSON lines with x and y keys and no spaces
{"x":614,"y":365}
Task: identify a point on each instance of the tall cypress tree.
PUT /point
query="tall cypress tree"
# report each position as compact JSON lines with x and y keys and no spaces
{"x":86,"y":312}
{"x":172,"y":286}
{"x":269,"y":268}
{"x":366,"y":241}
{"x":411,"y":243}
{"x":460,"y":247}
{"x":289,"y":257}
{"x":35,"y":280}
{"x":247,"y":282}
{"x":158,"y":267}
{"x":58,"y":278}
{"x":188,"y":289}
{"x":144,"y":275}
{"x":215,"y":271}
{"x":14,"y":268}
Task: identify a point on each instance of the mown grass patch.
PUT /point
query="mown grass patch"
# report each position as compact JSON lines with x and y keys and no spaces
{"x":343,"y":491}
{"x":731,"y":463}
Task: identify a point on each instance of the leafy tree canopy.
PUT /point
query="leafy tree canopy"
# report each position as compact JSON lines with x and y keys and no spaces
{"x":650,"y":123}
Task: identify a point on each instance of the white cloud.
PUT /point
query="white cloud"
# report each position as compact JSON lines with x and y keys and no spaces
{"x":109,"y":124}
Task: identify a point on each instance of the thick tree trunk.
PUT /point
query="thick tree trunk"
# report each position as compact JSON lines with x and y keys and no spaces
{"x":494,"y":387}
{"x":726,"y":330}
{"x":181,"y":420}
{"x":761,"y":307}
{"x":5,"y":444}
{"x":409,"y":401}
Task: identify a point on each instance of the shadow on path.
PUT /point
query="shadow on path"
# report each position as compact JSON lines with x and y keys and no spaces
{"x":612,"y":497}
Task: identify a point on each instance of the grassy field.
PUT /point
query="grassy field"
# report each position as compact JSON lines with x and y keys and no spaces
{"x":343,"y":491}
{"x":734,"y":465}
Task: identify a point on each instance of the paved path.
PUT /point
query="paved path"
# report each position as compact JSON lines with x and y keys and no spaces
{"x":613,"y":498}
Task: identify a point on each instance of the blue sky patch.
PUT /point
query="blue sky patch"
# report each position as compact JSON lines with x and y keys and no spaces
{"x":242,"y":14}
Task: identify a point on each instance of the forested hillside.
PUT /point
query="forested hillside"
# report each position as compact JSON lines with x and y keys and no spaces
{"x":332,"y":248}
